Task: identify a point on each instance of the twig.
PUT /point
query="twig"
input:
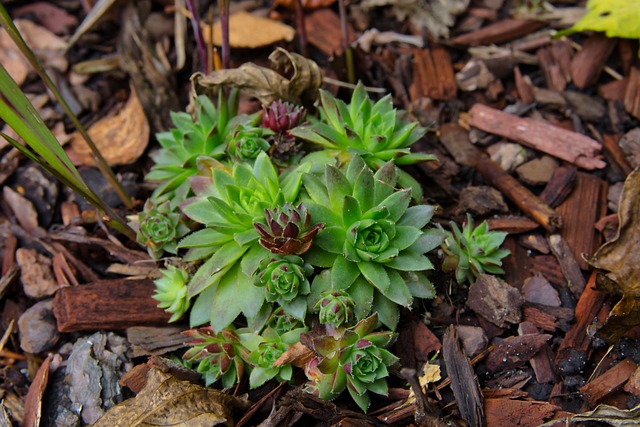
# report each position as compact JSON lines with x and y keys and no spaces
{"x":195,"y":24}
{"x":352,"y":86}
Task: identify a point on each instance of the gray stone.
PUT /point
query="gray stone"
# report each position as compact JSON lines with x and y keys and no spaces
{"x":37,"y":326}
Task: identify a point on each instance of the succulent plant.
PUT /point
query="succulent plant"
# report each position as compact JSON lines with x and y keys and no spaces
{"x":266,"y":350}
{"x":247,"y":142}
{"x":373,"y":242}
{"x":228,"y":205}
{"x":206,"y":135}
{"x":356,"y":359}
{"x":171,"y":291}
{"x":286,"y":283}
{"x":281,"y":322}
{"x":159,"y":226}
{"x":281,"y":116}
{"x":288,"y":230}
{"x":219,"y":355}
{"x":473,"y":251}
{"x":373,"y":130}
{"x":335,"y":309}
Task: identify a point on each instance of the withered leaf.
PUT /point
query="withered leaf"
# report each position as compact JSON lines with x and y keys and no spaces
{"x":121,"y":138}
{"x":166,"y":401}
{"x":621,"y":258}
{"x":243,"y":34}
{"x":611,"y":416}
{"x":268,"y":85}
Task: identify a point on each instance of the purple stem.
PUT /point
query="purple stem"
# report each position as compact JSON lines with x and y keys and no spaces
{"x":197,"y":32}
{"x":302,"y":31}
{"x":224,"y":26}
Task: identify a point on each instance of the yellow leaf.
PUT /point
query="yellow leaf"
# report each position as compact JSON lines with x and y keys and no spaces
{"x":430,"y":375}
{"x":250,"y":31}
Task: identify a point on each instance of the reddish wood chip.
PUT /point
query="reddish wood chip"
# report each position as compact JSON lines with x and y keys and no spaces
{"x":609,"y":382}
{"x":108,"y":304}
{"x":33,"y":401}
{"x":518,"y":413}
{"x":561,"y":143}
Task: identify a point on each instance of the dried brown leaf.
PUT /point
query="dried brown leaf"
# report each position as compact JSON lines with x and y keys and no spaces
{"x":620,"y":257}
{"x":47,"y":46}
{"x":121,"y":138}
{"x":166,"y":401}
{"x":611,"y":416}
{"x":243,"y":34}
{"x":266,"y":84}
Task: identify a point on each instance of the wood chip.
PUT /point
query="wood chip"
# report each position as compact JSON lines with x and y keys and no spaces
{"x":109,"y":304}
{"x":561,"y":143}
{"x":609,"y":382}
{"x":22,"y":208}
{"x":33,"y":401}
{"x":586,"y":311}
{"x":541,"y":362}
{"x":499,"y":32}
{"x":433,"y":75}
{"x":580,"y":211}
{"x":568,"y":264}
{"x":518,"y":194}
{"x":587,"y":64}
{"x":520,"y":413}
{"x":515,"y":351}
{"x":149,"y":340}
{"x":495,"y":300}
{"x":463,"y":381}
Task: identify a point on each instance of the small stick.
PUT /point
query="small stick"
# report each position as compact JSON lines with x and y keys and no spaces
{"x":518,"y":194}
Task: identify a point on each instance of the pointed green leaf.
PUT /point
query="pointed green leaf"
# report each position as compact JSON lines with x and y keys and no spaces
{"x":201,"y":309}
{"x":225,"y":305}
{"x":204,"y":238}
{"x":429,"y":240}
{"x":375,"y":274}
{"x":337,"y":187}
{"x":210,"y":272}
{"x":405,"y":237}
{"x":343,"y":273}
{"x":410,"y":261}
{"x":379,"y":387}
{"x":331,"y":239}
{"x":362,"y":400}
{"x":397,"y":204}
{"x":351,"y":211}
{"x":398,"y":291}
{"x":419,"y":285}
{"x":296,"y":308}
{"x":387,"y":310}
{"x":417,"y":216}
{"x":362,"y":292}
